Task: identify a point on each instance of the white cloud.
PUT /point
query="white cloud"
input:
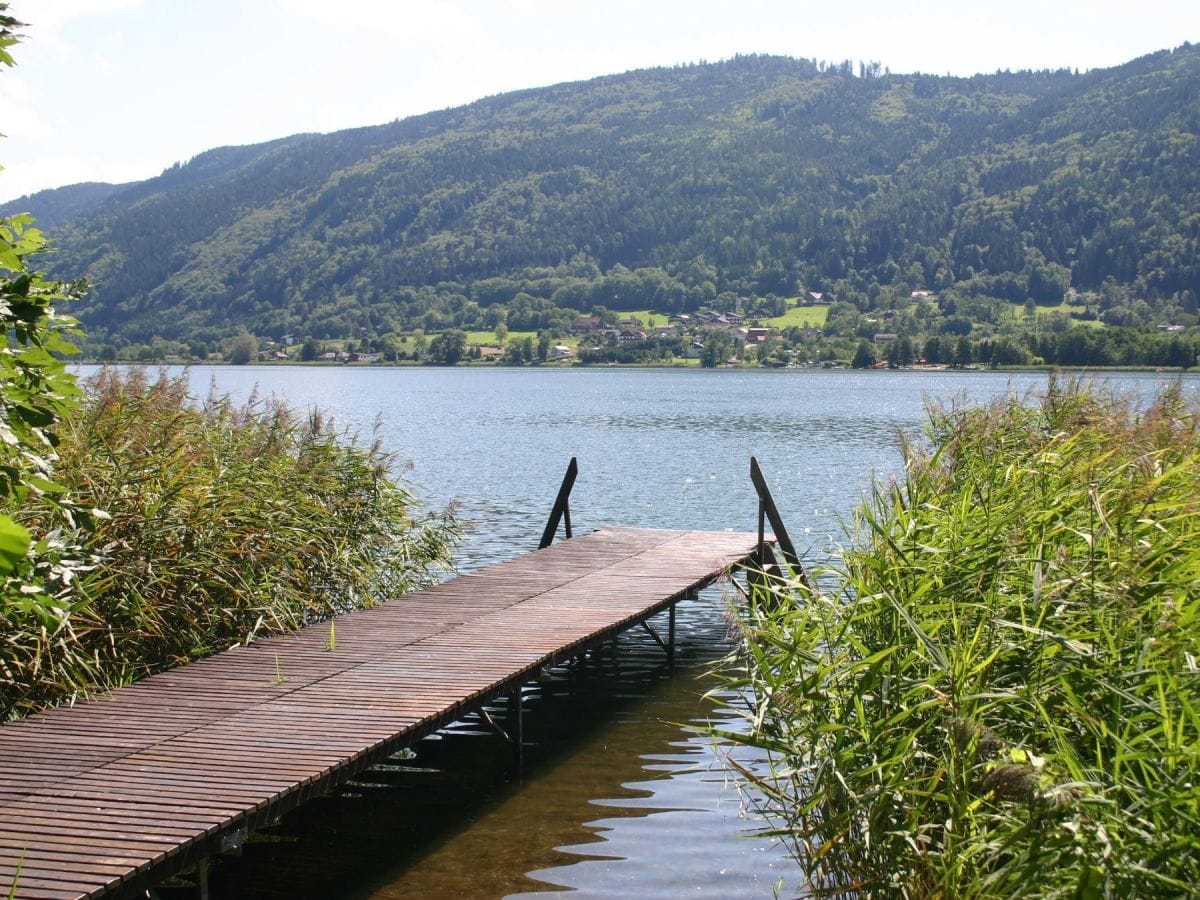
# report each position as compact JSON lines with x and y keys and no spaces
{"x":47,"y":19}
{"x":406,"y":21}
{"x":52,"y":14}
{"x":19,"y":117}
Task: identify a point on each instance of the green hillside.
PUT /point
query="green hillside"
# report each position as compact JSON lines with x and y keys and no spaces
{"x":665,"y":189}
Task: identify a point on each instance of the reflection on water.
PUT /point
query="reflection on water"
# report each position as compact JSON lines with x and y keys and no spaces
{"x":684,"y":850}
{"x":618,"y":798}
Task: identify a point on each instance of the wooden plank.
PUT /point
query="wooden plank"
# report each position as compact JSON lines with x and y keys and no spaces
{"x":119,"y":788}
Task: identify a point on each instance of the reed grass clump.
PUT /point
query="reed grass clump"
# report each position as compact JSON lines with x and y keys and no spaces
{"x":995,"y":692}
{"x":215,"y":524}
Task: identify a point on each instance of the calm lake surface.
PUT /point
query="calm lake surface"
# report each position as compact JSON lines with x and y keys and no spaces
{"x":618,"y":796}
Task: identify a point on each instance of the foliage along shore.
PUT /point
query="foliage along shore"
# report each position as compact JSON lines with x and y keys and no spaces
{"x":923,"y":332}
{"x":212,"y":524}
{"x":996,"y":692}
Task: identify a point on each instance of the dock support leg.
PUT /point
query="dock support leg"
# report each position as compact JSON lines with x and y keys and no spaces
{"x":671,"y":637}
{"x":202,"y":878}
{"x":516,"y":725}
{"x":668,"y":645}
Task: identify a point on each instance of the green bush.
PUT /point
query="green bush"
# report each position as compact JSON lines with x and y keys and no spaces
{"x":36,"y":391}
{"x":996,"y":692}
{"x":220,"y":523}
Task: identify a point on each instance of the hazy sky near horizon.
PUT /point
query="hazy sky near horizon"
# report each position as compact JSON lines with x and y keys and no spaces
{"x":118,"y":90}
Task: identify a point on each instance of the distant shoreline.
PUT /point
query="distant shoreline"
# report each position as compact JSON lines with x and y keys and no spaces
{"x":915,"y":370}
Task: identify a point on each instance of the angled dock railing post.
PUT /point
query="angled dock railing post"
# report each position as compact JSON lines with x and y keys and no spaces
{"x":767,"y":510}
{"x":562,"y":506}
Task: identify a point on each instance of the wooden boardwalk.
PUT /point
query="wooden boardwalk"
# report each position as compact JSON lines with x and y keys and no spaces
{"x":112,"y":795}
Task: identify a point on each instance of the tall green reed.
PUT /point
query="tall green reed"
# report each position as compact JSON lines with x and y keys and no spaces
{"x":995,"y":692}
{"x":219,"y":523}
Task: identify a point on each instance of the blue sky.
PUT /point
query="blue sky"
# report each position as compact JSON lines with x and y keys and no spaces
{"x":117,"y":90}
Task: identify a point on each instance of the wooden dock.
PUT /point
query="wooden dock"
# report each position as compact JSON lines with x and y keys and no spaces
{"x":111,"y":796}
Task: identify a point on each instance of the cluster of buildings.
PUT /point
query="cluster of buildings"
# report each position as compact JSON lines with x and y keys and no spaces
{"x":632,"y":330}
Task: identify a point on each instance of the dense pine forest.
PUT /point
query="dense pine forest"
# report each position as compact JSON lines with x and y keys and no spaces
{"x":1016,"y":217}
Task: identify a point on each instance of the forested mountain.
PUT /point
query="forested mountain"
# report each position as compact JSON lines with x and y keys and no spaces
{"x":663,"y":188}
{"x":60,"y":205}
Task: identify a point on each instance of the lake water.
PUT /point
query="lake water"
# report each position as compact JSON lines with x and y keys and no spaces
{"x":618,"y":796}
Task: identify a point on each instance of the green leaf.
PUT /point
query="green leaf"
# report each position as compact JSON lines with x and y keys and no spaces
{"x":14,"y":544}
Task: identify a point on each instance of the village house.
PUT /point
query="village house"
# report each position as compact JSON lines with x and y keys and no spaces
{"x":586,"y":324}
{"x":724,"y":321}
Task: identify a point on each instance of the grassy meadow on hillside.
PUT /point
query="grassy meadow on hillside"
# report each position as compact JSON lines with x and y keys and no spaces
{"x":801,"y":317}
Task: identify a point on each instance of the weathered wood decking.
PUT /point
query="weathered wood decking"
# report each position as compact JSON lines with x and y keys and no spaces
{"x":112,"y":795}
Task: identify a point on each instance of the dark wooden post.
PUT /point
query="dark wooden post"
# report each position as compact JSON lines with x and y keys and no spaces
{"x":562,"y":508}
{"x":671,"y":637}
{"x":516,"y":725}
{"x":768,"y":510}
